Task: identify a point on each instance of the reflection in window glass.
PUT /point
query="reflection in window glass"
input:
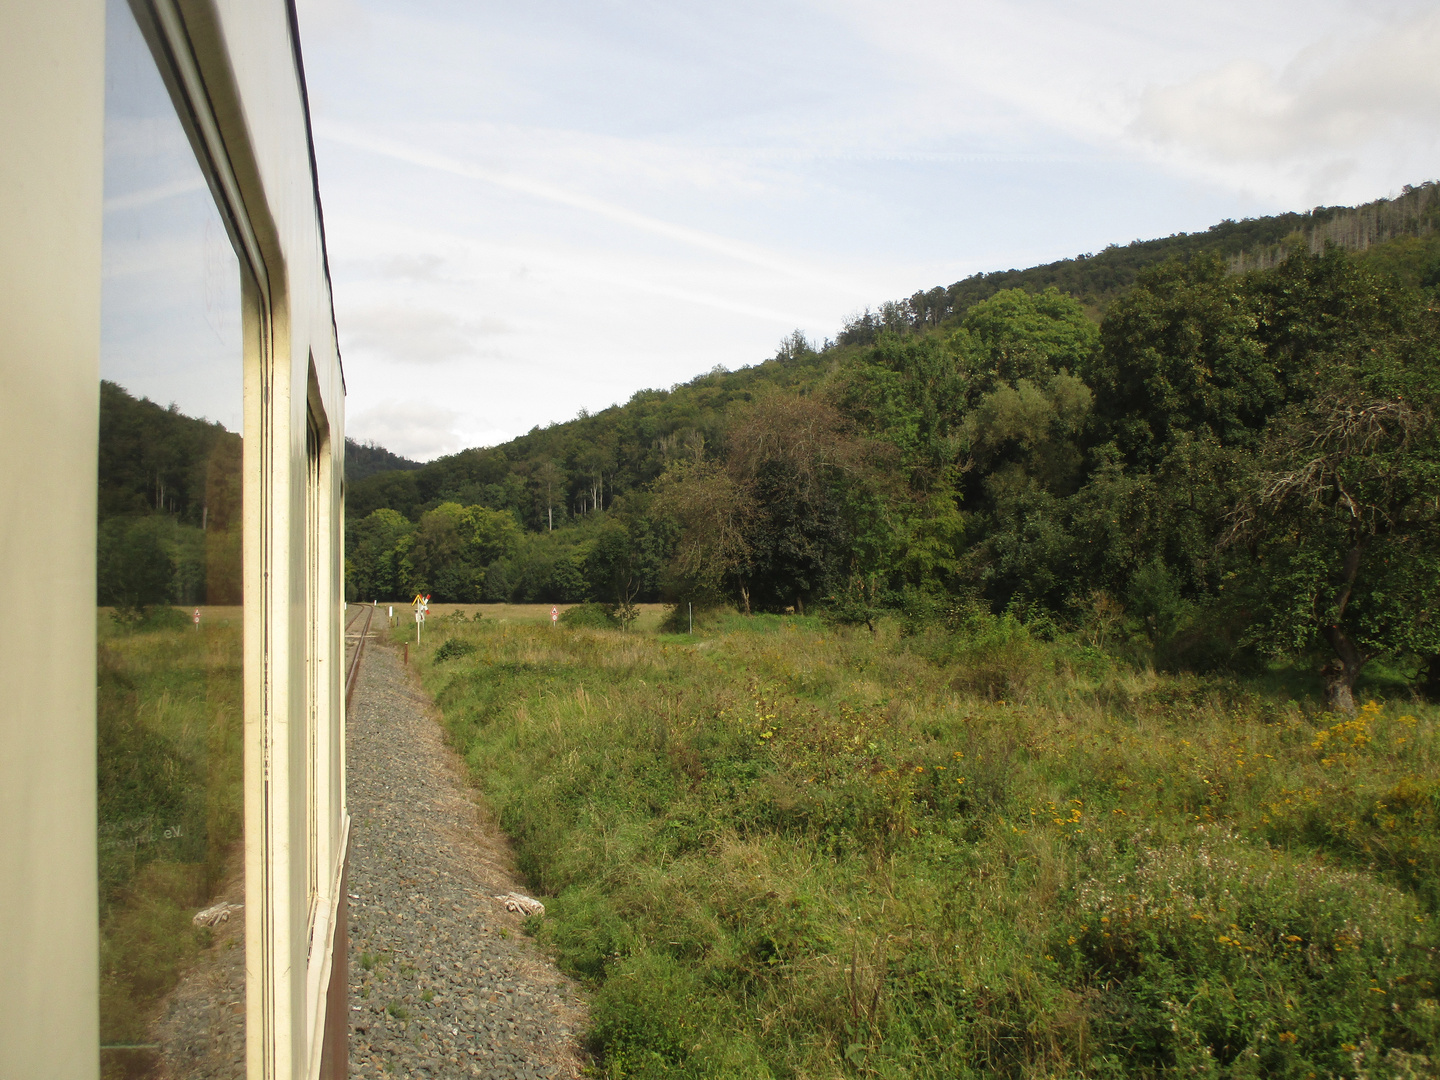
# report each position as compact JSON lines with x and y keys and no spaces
{"x":169,"y":585}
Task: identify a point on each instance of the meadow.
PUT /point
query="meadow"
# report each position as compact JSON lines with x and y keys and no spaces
{"x":649,"y":616}
{"x":781,"y":849}
{"x":170,"y":791}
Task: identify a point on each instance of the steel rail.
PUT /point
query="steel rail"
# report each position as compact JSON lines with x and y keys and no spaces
{"x":353,"y":675}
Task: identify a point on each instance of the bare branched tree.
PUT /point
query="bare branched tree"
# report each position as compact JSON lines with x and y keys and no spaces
{"x":1323,"y":456}
{"x":1344,"y":459}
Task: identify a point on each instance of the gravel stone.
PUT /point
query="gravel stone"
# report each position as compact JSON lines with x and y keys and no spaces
{"x":443,"y":982}
{"x":201,"y":1026}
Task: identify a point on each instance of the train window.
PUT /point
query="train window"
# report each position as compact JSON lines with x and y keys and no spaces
{"x":170,"y":626}
{"x":316,"y":649}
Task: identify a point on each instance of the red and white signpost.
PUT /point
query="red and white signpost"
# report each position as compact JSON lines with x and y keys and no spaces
{"x":554,"y":615}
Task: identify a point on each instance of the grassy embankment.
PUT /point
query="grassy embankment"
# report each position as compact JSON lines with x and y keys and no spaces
{"x":170,"y":800}
{"x":779,"y":850}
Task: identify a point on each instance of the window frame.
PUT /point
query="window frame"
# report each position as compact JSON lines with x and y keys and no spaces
{"x":296,"y":820}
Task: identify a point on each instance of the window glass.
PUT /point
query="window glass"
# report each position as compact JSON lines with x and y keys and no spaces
{"x":169,"y":664}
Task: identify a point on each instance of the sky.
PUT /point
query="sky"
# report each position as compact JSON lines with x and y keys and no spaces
{"x":170,"y":305}
{"x":538,"y":209}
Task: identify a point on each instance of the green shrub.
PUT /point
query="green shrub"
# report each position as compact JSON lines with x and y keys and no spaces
{"x":647,"y":1021}
{"x":453,"y":649}
{"x":993,"y":656}
{"x":705,"y":618}
{"x":154,"y":617}
{"x":592,"y":616}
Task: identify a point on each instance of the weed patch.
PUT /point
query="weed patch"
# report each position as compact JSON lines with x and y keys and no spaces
{"x":808,"y":851}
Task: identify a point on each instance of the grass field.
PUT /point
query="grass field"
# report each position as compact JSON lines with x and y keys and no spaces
{"x":778,"y":850}
{"x":171,"y":799}
{"x":511,"y":614}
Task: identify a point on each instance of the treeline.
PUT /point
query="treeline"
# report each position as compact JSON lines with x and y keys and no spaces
{"x":169,"y":506}
{"x":563,"y":474}
{"x":1228,"y":467}
{"x":368,"y":458}
{"x":1255,"y":243}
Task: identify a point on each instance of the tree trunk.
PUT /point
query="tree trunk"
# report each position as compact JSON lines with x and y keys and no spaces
{"x":745,"y":595}
{"x":1431,"y":686}
{"x":1339,"y":674}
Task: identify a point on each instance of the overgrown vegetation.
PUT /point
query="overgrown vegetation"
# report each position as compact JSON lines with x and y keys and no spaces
{"x":974,"y":848}
{"x":170,"y":800}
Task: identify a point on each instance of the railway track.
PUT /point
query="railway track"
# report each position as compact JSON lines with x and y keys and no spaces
{"x":352,"y":671}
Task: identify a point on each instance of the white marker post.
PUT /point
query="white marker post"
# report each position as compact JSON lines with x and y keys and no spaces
{"x":554,"y":616}
{"x":196,"y":619}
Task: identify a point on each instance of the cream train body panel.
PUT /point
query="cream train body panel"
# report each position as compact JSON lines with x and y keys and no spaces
{"x":233,"y":68}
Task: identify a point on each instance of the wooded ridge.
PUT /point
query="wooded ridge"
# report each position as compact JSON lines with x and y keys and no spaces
{"x":1219,"y":447}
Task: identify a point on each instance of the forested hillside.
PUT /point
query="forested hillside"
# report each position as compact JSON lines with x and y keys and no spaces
{"x":1229,"y":464}
{"x":368,"y":458}
{"x":1256,"y":243}
{"x":169,"y":502}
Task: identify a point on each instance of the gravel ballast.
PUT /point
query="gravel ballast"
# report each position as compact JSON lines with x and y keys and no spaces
{"x":443,"y":983}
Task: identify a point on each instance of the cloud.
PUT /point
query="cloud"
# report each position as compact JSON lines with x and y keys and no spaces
{"x":414,"y":429}
{"x":329,"y":16}
{"x":1270,"y":104}
{"x":421,"y":266}
{"x":1332,"y":99}
{"x":418,"y":335}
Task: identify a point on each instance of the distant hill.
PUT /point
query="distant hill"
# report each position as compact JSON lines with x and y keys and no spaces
{"x":169,"y":501}
{"x":157,"y":460}
{"x":562,"y":473}
{"x":368,"y":458}
{"x":1096,"y":280}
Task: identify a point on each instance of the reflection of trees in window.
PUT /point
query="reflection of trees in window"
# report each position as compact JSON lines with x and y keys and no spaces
{"x":170,"y":506}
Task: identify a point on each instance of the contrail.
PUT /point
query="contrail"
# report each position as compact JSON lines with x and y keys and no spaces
{"x":561,"y":270}
{"x":359,"y":139}
{"x":151,"y":195}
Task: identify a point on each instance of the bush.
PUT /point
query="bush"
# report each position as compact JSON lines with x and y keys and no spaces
{"x":152,"y":617}
{"x":453,"y":649}
{"x":646,"y":1022}
{"x":678,"y":619}
{"x":1256,"y":956}
{"x":591,"y":616}
{"x":993,"y":656}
